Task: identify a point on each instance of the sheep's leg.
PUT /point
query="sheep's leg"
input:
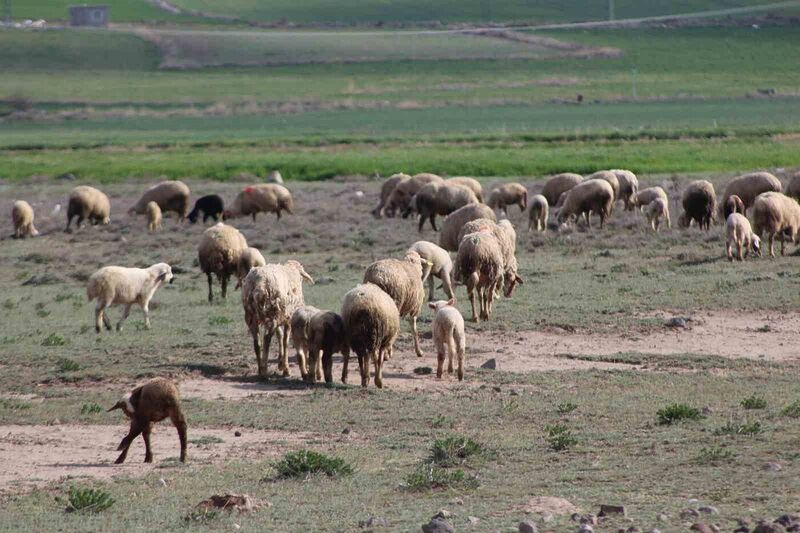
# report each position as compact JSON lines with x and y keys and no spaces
{"x":254,"y":216}
{"x":459,"y":338}
{"x":739,"y":251}
{"x":430,"y":288}
{"x":265,"y":351}
{"x":363,"y":367}
{"x":319,"y":360}
{"x":345,"y":362}
{"x":783,"y":243}
{"x":439,"y":358}
{"x":135,"y":430}
{"x":447,"y":284}
{"x":378,"y":358}
{"x":327,"y":365}
{"x":223,"y":282}
{"x":148,"y":453}
{"x":471,"y":282}
{"x":284,"y":349}
{"x":125,"y":314}
{"x":303,"y":361}
{"x":180,"y":424}
{"x":98,"y":317}
{"x":311,"y":376}
{"x":771,"y":238}
{"x":450,"y":350}
{"x":413,"y":321}
{"x":433,"y":222}
{"x":69,"y":222}
{"x":257,"y":349}
{"x":729,"y":250}
{"x":146,"y":311}
{"x":210,"y":292}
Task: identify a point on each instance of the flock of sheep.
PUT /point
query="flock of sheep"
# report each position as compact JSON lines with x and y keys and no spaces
{"x":394,"y":288}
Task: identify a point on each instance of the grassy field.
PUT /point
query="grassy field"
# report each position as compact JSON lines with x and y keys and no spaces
{"x":604,"y":286}
{"x":120,"y":11}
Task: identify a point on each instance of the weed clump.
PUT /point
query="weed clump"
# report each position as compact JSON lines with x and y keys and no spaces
{"x":54,"y":339}
{"x":739,"y":428}
{"x":714,"y":456}
{"x":454,"y":450}
{"x":754,"y":402}
{"x":559,"y":437}
{"x":429,"y":476}
{"x":304,"y":463}
{"x":86,"y":500}
{"x":792,"y":410}
{"x":677,"y":412}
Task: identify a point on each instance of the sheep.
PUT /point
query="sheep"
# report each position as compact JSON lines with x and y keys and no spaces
{"x":371,"y":324}
{"x":401,"y":195}
{"x":699,"y":203}
{"x":125,"y":286}
{"x":326,"y":336}
{"x":539,"y":211}
{"x":775,"y":213}
{"x":169,"y":195}
{"x":557,"y":185}
{"x":656,"y":210}
{"x":611,"y":178}
{"x":218,"y":253}
{"x":249,"y":258}
{"x":470,"y":183}
{"x":270,"y":295}
{"x":793,"y":187}
{"x":448,"y":239}
{"x":748,"y":186}
{"x":210,"y":205}
{"x":22,"y":217}
{"x":739,"y":233}
{"x":147,"y":404}
{"x":439,"y":198}
{"x":508,"y":194}
{"x":441,"y":266}
{"x":403,"y":280}
{"x":88,"y":203}
{"x":645,"y":197}
{"x":274,"y":176}
{"x":506,"y":236}
{"x":590,"y":196}
{"x":153,"y":217}
{"x":628,"y":187}
{"x":386,"y":191}
{"x":479,"y":265}
{"x":733,"y":204}
{"x":298,"y":325}
{"x":448,"y":336}
{"x":261,"y":198}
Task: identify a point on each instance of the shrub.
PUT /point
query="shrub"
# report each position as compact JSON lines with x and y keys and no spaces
{"x":792,"y":410}
{"x":454,"y":450}
{"x":13,"y":404}
{"x":219,"y":320}
{"x":559,"y":437}
{"x":566,"y":408}
{"x":65,"y":364}
{"x":54,"y":340}
{"x":736,"y":428}
{"x":714,"y":455}
{"x":677,"y":412}
{"x":90,"y":409}
{"x":87,"y":500}
{"x":304,"y":463}
{"x":428,"y":476}
{"x":754,"y":402}
{"x":201,"y":515}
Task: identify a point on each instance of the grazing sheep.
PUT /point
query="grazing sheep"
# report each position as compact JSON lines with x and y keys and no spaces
{"x":610,"y":177}
{"x":591,"y":196}
{"x":147,"y":404}
{"x":557,"y":185}
{"x":88,"y":203}
{"x":22,"y":217}
{"x":506,"y":236}
{"x":270,"y":295}
{"x":210,"y":205}
{"x":470,"y":183}
{"x":748,"y":187}
{"x":401,"y":195}
{"x":451,"y":227}
{"x":274,"y":176}
{"x":537,"y":216}
{"x":218,"y":253}
{"x":739,"y":233}
{"x":793,"y":187}
{"x":448,"y":336}
{"x":403,"y":280}
{"x":298,"y":325}
{"x":775,"y":213}
{"x":508,"y":194}
{"x":656,"y":210}
{"x":628,"y":187}
{"x":479,"y":265}
{"x":125,"y":286}
{"x":645,"y":197}
{"x":439,"y":198}
{"x":169,"y":195}
{"x":386,"y":191}
{"x":441,"y":266}
{"x":261,"y":198}
{"x":699,"y":203}
{"x":371,"y":324}
{"x":733,"y":204}
{"x":326,"y":336}
{"x":153,"y":217}
{"x":249,"y":258}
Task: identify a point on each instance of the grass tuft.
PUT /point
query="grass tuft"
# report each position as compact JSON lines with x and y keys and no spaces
{"x":13,"y":404}
{"x":201,"y":515}
{"x":559,"y":437}
{"x":304,"y":463}
{"x":91,"y":408}
{"x":714,"y":455}
{"x":455,"y":450}
{"x":428,"y":476}
{"x":792,"y":410}
{"x":66,"y":364}
{"x":54,"y":339}
{"x":737,"y":428}
{"x":86,"y":500}
{"x":566,"y":408}
{"x":754,"y":402}
{"x":676,"y":412}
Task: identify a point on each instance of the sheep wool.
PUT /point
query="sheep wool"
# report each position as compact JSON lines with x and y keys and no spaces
{"x":439,"y":198}
{"x":508,"y":194}
{"x":539,"y":211}
{"x":218,"y":253}
{"x":774,"y":214}
{"x":557,"y":185}
{"x":22,"y":218}
{"x":441,"y":266}
{"x":169,"y":195}
{"x":153,"y":217}
{"x":387,"y":188}
{"x":88,"y":203}
{"x":448,"y":337}
{"x":739,"y":234}
{"x":261,"y":198}
{"x":748,"y":187}
{"x":451,"y":227}
{"x":249,"y":258}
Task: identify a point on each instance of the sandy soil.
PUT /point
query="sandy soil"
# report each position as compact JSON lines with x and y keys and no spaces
{"x":34,"y":455}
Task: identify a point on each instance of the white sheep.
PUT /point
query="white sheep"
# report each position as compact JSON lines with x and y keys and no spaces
{"x":371,"y":323}
{"x":218,"y":253}
{"x":508,"y":194}
{"x":628,"y":187}
{"x":739,"y":233}
{"x":298,"y":325}
{"x":88,"y":203}
{"x":608,"y":176}
{"x":169,"y":195}
{"x":270,"y":295}
{"x":401,"y":195}
{"x":656,"y":210}
{"x":644,"y":197}
{"x":479,"y":265}
{"x":452,"y":224}
{"x":591,"y":196}
{"x":748,"y":187}
{"x":387,"y":187}
{"x":448,"y":336}
{"x":775,"y":213}
{"x":538,"y":214}
{"x":441,"y":266}
{"x":113,"y":285}
{"x":507,"y":238}
{"x":249,"y":258}
{"x":557,"y":185}
{"x":326,"y":335}
{"x":261,"y":198}
{"x":470,"y":183}
{"x":22,"y":217}
{"x":153,"y":217}
{"x":439,"y":198}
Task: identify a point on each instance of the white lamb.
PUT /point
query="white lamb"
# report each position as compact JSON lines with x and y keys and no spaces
{"x":448,"y":335}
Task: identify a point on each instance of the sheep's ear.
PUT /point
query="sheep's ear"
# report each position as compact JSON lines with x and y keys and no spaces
{"x":432,"y":305}
{"x":451,"y":301}
{"x":519,"y":279}
{"x":119,"y":405}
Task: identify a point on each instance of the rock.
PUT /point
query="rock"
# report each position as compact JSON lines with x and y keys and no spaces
{"x":655,"y":530}
{"x":585,"y":528}
{"x":491,"y":364}
{"x":443,"y":513}
{"x":693,"y":501}
{"x":676,"y":322}
{"x":472,"y":520}
{"x":237,"y":526}
{"x":458,"y":501}
{"x":707,"y":411}
{"x":632,"y":529}
{"x":346,"y":431}
{"x":527,"y":527}
{"x":606,"y":510}
{"x":162,"y":482}
{"x":237,"y":433}
{"x":575,"y":517}
{"x":689,"y":513}
{"x":437,"y":525}
{"x":229,"y":502}
{"x":708,"y":509}
{"x":701,"y":527}
{"x":66,"y":176}
{"x":742,"y":529}
{"x":373,"y":521}
{"x":764,"y":527}
{"x":589,"y":519}
{"x":662,"y":517}
{"x":787,"y":519}
{"x":772,"y":466}
{"x":546,"y":517}
{"x":549,"y":505}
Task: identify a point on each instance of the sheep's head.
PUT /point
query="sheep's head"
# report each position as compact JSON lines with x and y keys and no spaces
{"x":755,"y":244}
{"x":511,"y":278}
{"x":126,"y":405}
{"x":424,"y":264}
{"x":297,"y":265}
{"x":683,"y":220}
{"x":162,"y":273}
{"x":439,"y":304}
